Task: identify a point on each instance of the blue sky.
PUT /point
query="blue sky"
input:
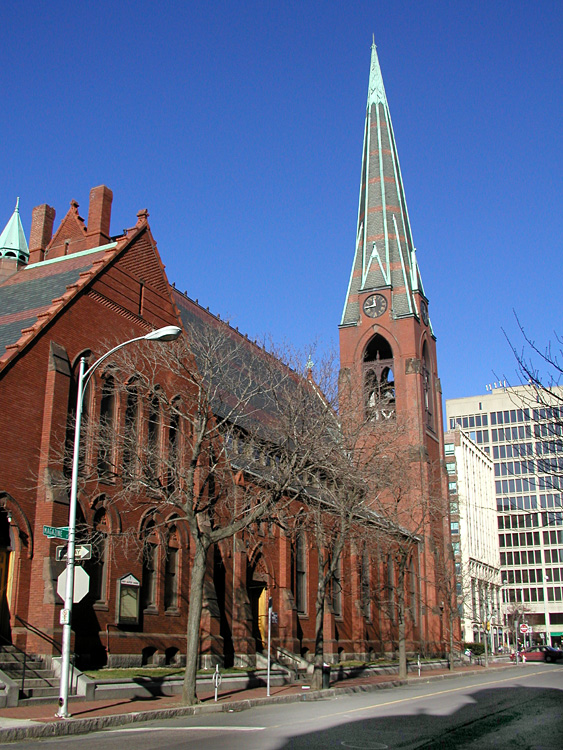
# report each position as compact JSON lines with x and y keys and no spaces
{"x":239,"y":126}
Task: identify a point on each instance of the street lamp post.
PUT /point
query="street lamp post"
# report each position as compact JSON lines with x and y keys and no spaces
{"x":168,"y":333}
{"x":545,"y":611}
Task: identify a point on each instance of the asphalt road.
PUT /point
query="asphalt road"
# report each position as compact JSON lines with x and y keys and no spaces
{"x":517,"y":708}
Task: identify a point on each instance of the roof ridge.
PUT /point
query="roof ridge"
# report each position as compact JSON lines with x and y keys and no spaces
{"x":235,"y":330}
{"x":58,"y":304}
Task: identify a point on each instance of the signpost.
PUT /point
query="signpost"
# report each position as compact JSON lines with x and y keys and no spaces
{"x":270,"y":609}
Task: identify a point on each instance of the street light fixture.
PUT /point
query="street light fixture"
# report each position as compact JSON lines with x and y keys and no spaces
{"x":167,"y":333}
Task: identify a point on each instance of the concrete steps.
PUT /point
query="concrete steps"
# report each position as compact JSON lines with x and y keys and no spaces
{"x":38,"y":684}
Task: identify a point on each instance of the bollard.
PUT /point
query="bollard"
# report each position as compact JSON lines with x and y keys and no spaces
{"x":216,"y":680}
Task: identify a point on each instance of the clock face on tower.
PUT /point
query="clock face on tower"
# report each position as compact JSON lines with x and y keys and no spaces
{"x":375,"y":305}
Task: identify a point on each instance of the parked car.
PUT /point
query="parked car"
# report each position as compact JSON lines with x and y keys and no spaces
{"x":540,"y":653}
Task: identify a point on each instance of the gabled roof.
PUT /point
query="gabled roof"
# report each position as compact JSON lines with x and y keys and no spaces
{"x":36,"y":294}
{"x":385,"y":256}
{"x":13,"y":243}
{"x":32,"y":296}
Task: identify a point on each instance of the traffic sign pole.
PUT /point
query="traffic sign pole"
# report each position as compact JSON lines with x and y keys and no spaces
{"x":270,"y":604}
{"x":66,"y":614}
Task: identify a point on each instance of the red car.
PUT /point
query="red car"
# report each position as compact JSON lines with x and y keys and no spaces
{"x":540,"y":653}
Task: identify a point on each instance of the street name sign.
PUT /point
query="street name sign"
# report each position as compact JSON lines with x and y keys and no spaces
{"x":56,"y":532}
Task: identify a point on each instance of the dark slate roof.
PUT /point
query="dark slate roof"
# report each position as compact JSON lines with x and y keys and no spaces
{"x":31,"y":291}
{"x":242,"y":359}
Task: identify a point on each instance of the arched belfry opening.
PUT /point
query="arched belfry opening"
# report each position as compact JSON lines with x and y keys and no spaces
{"x":427,"y":385}
{"x":379,"y":379}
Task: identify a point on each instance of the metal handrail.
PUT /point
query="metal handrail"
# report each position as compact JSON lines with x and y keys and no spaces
{"x":3,"y":638}
{"x":38,"y":632}
{"x":45,"y":637}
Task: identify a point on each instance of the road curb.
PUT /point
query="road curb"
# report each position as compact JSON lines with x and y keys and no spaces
{"x":68,"y":727}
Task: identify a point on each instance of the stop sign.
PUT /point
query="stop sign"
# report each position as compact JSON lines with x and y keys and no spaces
{"x":524,"y":628}
{"x":81,"y":584}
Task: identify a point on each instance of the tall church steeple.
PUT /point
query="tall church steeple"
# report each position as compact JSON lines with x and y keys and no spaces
{"x":385,"y":256}
{"x":389,"y":372}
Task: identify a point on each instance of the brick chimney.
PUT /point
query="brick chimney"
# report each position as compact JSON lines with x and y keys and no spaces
{"x":99,"y":216}
{"x":42,"y":220}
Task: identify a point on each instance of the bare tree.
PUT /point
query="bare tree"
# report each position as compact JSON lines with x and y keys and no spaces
{"x":216,"y":433}
{"x":377,"y":444}
{"x":196,"y":417}
{"x":357,"y":464}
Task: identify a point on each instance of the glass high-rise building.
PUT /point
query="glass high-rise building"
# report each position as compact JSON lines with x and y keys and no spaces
{"x":522,"y":433}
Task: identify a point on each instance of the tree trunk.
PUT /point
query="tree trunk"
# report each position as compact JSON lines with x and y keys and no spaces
{"x":317,"y":681}
{"x":486,"y":641}
{"x":451,"y":653}
{"x":402,"y":641}
{"x":401,"y":634}
{"x":189,"y":696}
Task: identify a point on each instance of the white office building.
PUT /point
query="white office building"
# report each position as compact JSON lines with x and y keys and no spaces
{"x":522,"y":434}
{"x":474,"y":538}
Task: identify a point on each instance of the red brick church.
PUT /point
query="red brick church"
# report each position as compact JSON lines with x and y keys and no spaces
{"x":70,"y":292}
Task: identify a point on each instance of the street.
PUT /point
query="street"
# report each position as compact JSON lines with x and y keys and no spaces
{"x":515,"y":708}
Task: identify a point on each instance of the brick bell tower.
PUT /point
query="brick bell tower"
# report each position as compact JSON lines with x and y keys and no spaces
{"x":388,"y":347}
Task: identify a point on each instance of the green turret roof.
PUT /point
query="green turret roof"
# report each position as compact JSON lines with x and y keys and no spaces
{"x":385,"y":256}
{"x":12,"y":240}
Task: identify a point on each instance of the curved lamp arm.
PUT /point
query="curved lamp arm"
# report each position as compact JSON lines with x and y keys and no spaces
{"x":168,"y":333}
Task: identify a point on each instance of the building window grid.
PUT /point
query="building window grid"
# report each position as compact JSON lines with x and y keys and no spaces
{"x":519,"y":443}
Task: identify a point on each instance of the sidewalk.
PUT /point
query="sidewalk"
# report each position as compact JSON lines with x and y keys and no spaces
{"x":26,"y":722}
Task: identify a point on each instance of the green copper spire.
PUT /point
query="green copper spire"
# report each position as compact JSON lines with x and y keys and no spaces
{"x":385,"y":254}
{"x":12,"y":240}
{"x":376,"y":89}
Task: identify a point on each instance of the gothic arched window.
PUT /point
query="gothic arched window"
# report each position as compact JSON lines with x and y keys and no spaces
{"x":427,"y":385}
{"x":150,"y":567}
{"x":153,"y":439}
{"x":379,"y":379}
{"x":106,"y":444}
{"x":131,"y":435}
{"x":71,"y":420}
{"x":299,"y":572}
{"x":171,"y":568}
{"x":174,"y":453}
{"x":97,"y":567}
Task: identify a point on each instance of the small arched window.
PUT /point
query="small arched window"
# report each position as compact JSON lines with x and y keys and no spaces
{"x":379,"y":379}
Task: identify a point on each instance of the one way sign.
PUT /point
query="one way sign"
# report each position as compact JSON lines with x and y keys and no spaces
{"x":81,"y":552}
